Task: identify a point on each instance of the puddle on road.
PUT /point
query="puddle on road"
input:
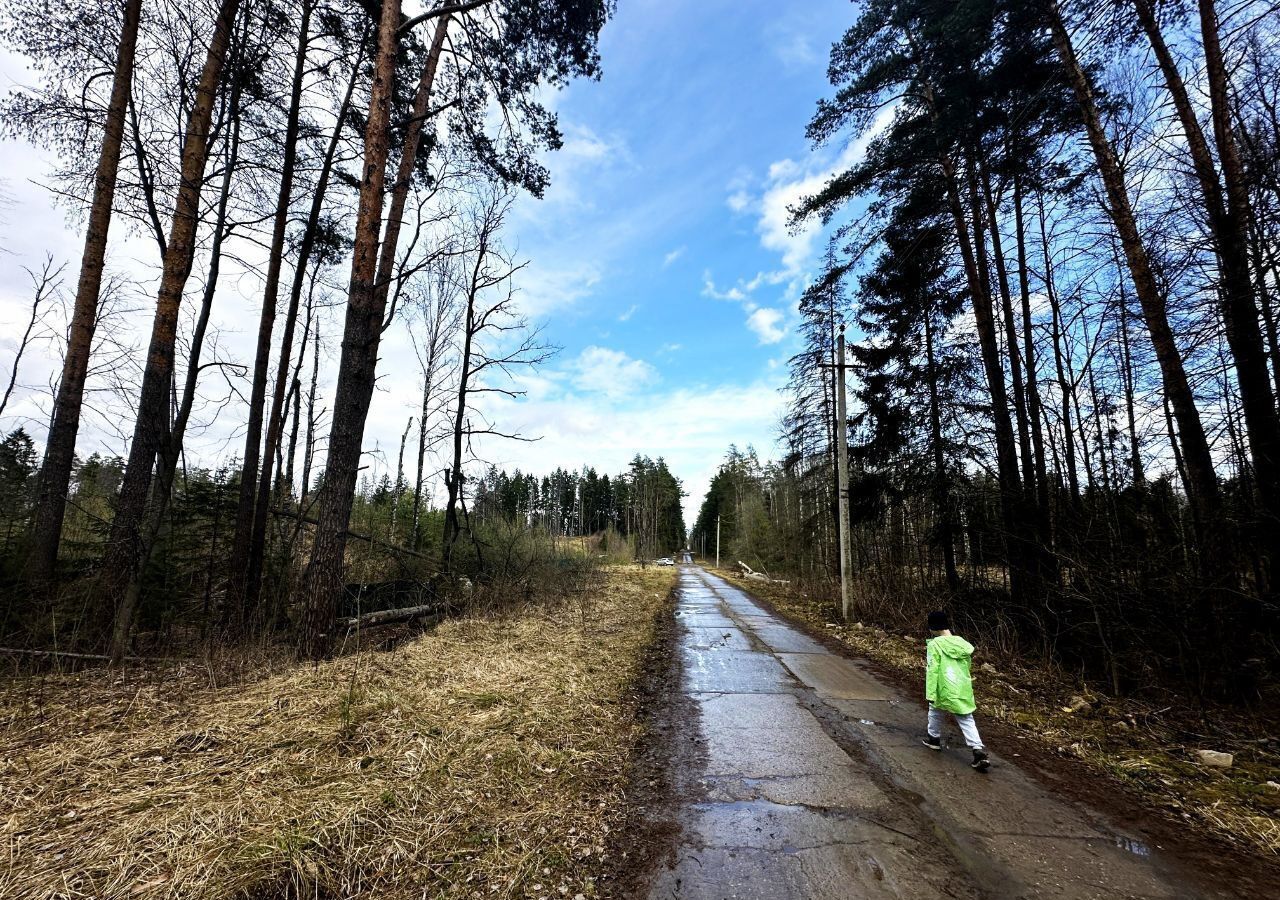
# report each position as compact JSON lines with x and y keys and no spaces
{"x":865,"y":722}
{"x":1132,"y":845}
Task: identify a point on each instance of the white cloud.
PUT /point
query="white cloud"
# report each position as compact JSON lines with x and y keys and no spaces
{"x":612,"y":373}
{"x":631,"y":311}
{"x":583,"y":158}
{"x":583,"y":143}
{"x":739,"y":201}
{"x":795,"y":245}
{"x":673,"y":256}
{"x":767,"y":325}
{"x":794,"y":50}
{"x":709,"y":289}
{"x":788,"y":182}
{"x":544,"y":289}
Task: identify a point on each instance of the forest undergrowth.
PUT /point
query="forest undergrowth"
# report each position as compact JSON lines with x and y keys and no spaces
{"x":485,"y":758}
{"x":1148,"y":741}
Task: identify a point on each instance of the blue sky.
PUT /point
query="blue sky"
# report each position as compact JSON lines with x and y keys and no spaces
{"x":659,"y":260}
{"x":661,"y":252}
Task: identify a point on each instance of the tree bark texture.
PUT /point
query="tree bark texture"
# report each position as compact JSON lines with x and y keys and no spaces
{"x":151,"y":431}
{"x":241,"y":543}
{"x":275,"y":420}
{"x":322,"y":580}
{"x":122,"y":628}
{"x":59,"y":456}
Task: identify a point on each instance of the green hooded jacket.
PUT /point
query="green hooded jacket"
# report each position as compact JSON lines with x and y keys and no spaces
{"x":947,"y":682}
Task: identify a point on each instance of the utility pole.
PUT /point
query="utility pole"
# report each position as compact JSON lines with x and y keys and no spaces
{"x":717,"y":541}
{"x":842,"y":476}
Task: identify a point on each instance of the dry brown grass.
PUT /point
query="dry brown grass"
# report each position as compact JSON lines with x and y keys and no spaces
{"x":1148,"y":746}
{"x":487,"y":759}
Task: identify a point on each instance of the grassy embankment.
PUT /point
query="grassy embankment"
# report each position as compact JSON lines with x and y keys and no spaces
{"x":487,"y":758}
{"x":1149,"y":744}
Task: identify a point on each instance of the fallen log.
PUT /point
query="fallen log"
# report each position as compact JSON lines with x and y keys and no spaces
{"x":748,"y":572}
{"x":392,"y":616}
{"x":69,"y":655}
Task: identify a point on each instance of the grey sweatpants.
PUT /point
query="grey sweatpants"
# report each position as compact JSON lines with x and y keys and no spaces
{"x":968,"y":727}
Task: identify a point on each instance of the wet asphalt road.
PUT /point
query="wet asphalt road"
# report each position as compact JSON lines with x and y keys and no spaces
{"x":814,"y":785}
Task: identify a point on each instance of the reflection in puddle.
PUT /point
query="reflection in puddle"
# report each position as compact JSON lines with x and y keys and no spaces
{"x":1134,"y":846}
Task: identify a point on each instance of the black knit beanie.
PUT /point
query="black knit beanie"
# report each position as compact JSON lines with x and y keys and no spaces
{"x":938,"y":621}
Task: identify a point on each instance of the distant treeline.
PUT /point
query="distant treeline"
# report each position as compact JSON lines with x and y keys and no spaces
{"x":394,"y":550}
{"x":642,"y":504}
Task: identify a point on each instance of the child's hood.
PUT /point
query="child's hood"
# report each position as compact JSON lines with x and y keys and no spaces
{"x":952,"y":645}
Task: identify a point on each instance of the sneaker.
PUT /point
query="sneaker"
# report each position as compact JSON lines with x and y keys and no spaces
{"x":933,"y":743}
{"x":981,"y":761}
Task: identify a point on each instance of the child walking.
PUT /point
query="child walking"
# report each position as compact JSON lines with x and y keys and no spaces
{"x":948,"y":687}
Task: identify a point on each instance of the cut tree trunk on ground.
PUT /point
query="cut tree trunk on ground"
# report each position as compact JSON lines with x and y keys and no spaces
{"x":748,"y":572}
{"x":394,"y":616}
{"x":94,"y":656}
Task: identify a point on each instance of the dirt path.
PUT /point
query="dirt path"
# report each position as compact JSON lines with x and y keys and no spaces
{"x":812,"y":783}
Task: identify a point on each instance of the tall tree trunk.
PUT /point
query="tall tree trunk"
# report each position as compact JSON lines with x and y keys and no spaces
{"x":1228,"y":218}
{"x":404,"y":179}
{"x":146,"y":180}
{"x":309,"y":455}
{"x":151,"y":431}
{"x":973,"y":254}
{"x":1016,"y":383}
{"x":323,"y":578}
{"x":291,"y":456}
{"x":941,"y":481}
{"x":1086,"y":458}
{"x":285,"y":480}
{"x":1261,"y":419}
{"x":415,"y":538}
{"x":1043,"y":524}
{"x":395,"y":503}
{"x":435,"y":339}
{"x":1175,"y":445}
{"x":1201,"y":479}
{"x":1129,"y":381}
{"x":122,"y":629}
{"x":1100,"y":435}
{"x":1064,"y":386}
{"x":60,"y":447}
{"x":1259,"y":243}
{"x":275,"y":419}
{"x":408,"y":159}
{"x":237,"y":596}
{"x":453,"y":480}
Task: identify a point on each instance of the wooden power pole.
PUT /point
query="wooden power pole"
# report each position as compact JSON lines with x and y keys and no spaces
{"x":842,"y":476}
{"x":717,"y":542}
